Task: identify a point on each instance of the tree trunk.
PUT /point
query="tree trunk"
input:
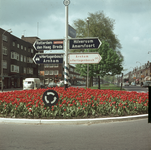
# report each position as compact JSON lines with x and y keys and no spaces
{"x":98,"y":82}
{"x":91,"y":82}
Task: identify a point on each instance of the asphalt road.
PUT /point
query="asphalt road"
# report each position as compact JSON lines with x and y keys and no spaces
{"x":136,"y":88}
{"x":126,"y":135}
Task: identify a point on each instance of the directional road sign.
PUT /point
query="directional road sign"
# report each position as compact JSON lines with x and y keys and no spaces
{"x":86,"y":43}
{"x":71,"y":31}
{"x":41,"y":45}
{"x":48,"y":58}
{"x":84,"y":58}
{"x":50,"y":97}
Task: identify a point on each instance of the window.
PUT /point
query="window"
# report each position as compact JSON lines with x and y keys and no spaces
{"x":24,"y":70}
{"x":51,"y":65}
{"x":51,"y":72}
{"x":13,"y":43}
{"x":17,"y":56}
{"x":29,"y":70}
{"x":17,"y":45}
{"x":27,"y":59}
{"x":4,"y":38}
{"x":55,"y":65}
{"x":46,"y":65}
{"x":4,"y":50}
{"x":21,"y":46}
{"x":24,"y":58}
{"x":46,"y":72}
{"x":14,"y":68}
{"x":21,"y":58}
{"x":32,"y":50}
{"x":28,"y":49}
{"x":25,"y":48}
{"x":14,"y":55}
{"x":55,"y":72}
{"x":30,"y":60}
{"x":4,"y":64}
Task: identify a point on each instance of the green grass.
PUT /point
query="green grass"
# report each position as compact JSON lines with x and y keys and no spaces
{"x":110,"y":86}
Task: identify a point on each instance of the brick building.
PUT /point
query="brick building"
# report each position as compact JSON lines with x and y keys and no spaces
{"x":17,"y":60}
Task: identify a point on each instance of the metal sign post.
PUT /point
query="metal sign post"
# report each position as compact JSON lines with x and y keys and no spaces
{"x":66,"y":68}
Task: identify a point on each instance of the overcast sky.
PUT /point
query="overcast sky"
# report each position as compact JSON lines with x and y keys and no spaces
{"x":46,"y":19}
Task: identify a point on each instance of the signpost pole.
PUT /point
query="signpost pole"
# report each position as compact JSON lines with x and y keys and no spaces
{"x":88,"y":64}
{"x":66,"y":68}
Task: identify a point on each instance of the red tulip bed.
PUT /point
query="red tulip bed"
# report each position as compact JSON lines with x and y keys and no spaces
{"x":73,"y":103}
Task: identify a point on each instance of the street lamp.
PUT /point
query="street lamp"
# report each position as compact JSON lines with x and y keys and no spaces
{"x":138,"y":62}
{"x":140,"y":68}
{"x":88,"y":64}
{"x":2,"y":78}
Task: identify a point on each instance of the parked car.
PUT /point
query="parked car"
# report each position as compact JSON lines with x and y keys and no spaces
{"x":78,"y":83}
{"x":61,"y":84}
{"x":133,"y":83}
{"x":146,"y":83}
{"x":126,"y":84}
{"x":31,"y":83}
{"x":52,"y":84}
{"x":42,"y":85}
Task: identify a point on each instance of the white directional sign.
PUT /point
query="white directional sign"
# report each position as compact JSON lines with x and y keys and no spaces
{"x":84,"y":58}
{"x":41,"y":45}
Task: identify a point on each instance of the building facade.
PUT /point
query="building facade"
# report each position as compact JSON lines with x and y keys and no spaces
{"x":55,"y":73}
{"x":17,"y":60}
{"x":139,"y":74}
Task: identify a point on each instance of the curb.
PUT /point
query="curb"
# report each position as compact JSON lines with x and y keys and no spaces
{"x":71,"y":121}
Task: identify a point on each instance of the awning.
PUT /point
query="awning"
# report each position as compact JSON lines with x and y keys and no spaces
{"x":147,"y":78}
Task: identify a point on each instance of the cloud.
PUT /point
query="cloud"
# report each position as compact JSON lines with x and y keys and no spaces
{"x":46,"y":18}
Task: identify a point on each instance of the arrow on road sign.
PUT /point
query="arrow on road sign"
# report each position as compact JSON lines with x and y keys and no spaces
{"x":85,"y":58}
{"x":48,"y":58}
{"x":88,"y":43}
{"x":41,"y":45}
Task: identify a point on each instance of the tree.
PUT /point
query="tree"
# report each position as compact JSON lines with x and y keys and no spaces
{"x":110,"y":64}
{"x":102,"y":27}
{"x":99,"y":26}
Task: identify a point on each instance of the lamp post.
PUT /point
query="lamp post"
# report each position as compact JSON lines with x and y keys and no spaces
{"x":2,"y":78}
{"x":88,"y":64}
{"x":140,"y":66}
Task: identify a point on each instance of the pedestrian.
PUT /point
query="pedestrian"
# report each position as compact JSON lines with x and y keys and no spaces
{"x":141,"y":83}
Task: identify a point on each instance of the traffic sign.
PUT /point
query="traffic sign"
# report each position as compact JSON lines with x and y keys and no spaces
{"x":86,"y":43}
{"x":48,"y":58}
{"x":41,"y":45}
{"x":84,"y":58}
{"x":71,"y":31}
{"x":50,"y":97}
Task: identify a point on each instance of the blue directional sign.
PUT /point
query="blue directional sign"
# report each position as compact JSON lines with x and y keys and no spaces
{"x":48,"y":58}
{"x":86,"y":43}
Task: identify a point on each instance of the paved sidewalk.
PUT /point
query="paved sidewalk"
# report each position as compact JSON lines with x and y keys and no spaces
{"x":72,"y":121}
